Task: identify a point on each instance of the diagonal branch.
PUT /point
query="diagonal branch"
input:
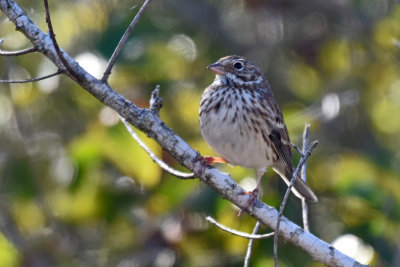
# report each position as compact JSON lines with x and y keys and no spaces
{"x":149,"y":122}
{"x":286,"y":197}
{"x":123,"y":40}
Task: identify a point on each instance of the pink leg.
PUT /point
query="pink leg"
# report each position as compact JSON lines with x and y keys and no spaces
{"x":253,"y":194}
{"x":260,"y":174}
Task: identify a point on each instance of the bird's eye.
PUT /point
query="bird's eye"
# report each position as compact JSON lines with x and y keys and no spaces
{"x":238,"y":66}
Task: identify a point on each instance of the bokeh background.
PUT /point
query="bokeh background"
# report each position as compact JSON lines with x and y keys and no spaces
{"x":75,"y":189}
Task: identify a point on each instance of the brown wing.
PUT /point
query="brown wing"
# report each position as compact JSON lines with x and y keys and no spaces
{"x":280,"y":140}
{"x":279,"y":136}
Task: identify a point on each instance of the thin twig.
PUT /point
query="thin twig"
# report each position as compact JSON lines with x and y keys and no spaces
{"x":297,"y":149}
{"x":122,"y":42}
{"x":55,"y":43}
{"x":162,"y":164}
{"x":286,"y":197}
{"x":155,"y":100}
{"x":236,"y":232}
{"x":250,"y":245}
{"x":18,"y":52}
{"x":33,"y":79}
{"x":303,"y":176}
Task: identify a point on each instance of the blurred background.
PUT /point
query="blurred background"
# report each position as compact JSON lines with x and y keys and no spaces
{"x":75,"y":189}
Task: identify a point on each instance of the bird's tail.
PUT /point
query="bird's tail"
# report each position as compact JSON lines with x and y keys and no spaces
{"x":300,"y":188}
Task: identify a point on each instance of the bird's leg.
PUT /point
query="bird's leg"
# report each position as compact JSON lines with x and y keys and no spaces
{"x":207,"y":160}
{"x":253,"y":194}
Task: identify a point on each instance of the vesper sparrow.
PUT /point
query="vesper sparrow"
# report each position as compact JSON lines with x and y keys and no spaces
{"x":242,"y":122}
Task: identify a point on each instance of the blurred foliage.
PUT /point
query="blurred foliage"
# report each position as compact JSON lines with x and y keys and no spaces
{"x":76,"y":189}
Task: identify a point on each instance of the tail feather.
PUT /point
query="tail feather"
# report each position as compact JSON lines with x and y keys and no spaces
{"x":300,"y":188}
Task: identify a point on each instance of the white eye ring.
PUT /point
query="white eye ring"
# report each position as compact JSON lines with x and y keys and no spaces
{"x":238,"y":66}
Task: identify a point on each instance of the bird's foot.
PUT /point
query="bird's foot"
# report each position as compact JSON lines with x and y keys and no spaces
{"x":252,"y":200}
{"x":208,"y":161}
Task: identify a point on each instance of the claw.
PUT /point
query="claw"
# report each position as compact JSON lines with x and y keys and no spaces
{"x":252,"y":200}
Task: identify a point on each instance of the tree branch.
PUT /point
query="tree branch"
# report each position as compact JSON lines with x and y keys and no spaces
{"x":149,"y":122}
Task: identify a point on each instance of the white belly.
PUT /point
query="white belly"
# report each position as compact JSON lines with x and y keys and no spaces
{"x":231,"y":136}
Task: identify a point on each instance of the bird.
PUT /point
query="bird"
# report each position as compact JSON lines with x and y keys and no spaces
{"x":242,"y":122}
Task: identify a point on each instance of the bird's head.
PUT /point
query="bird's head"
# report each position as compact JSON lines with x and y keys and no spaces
{"x":237,"y":69}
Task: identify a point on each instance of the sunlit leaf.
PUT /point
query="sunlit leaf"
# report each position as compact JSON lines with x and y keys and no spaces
{"x":9,"y":256}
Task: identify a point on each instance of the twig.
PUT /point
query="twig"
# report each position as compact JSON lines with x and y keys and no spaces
{"x":250,"y":245}
{"x":303,"y":176}
{"x":33,"y":79}
{"x":18,"y":52}
{"x":122,"y":42}
{"x":285,"y":198}
{"x":238,"y":233}
{"x":55,"y":43}
{"x":297,"y":149}
{"x":155,"y":100}
{"x":162,"y":164}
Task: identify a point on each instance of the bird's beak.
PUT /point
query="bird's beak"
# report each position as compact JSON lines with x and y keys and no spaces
{"x":217,"y":68}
